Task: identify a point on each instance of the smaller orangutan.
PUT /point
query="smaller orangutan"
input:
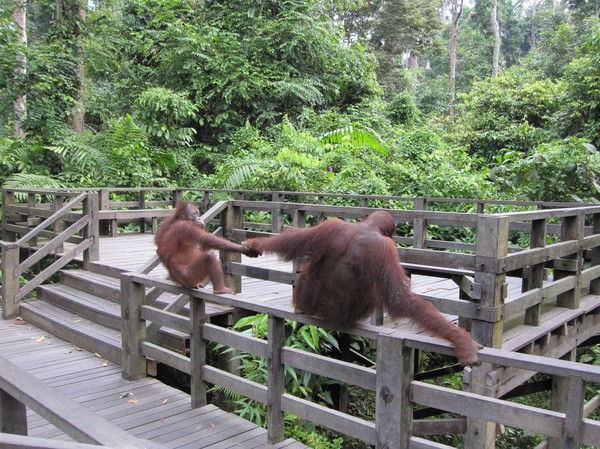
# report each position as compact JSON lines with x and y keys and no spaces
{"x":184,"y":248}
{"x":350,"y":269}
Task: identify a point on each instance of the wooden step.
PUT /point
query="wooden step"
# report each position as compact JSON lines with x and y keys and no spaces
{"x":79,"y":331}
{"x":86,"y":305}
{"x":104,"y":312}
{"x":100,"y":285}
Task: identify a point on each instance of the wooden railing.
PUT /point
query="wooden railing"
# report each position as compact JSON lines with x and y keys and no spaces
{"x":145,"y":207}
{"x":74,"y":221}
{"x":480,"y":269}
{"x":396,"y":391}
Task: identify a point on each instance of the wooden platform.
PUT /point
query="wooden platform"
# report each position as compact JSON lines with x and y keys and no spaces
{"x":146,"y":408}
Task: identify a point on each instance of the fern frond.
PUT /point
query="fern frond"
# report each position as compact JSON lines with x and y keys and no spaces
{"x":31,"y":181}
{"x":358,"y":136}
{"x":239,"y":174}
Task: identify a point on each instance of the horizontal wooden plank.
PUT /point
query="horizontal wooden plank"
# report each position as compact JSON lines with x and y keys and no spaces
{"x":72,"y":418}
{"x":330,"y":418}
{"x":8,"y":441}
{"x":545,"y":422}
{"x":334,"y":369}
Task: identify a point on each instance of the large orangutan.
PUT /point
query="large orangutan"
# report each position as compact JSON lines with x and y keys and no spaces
{"x":349,"y":269}
{"x":184,"y":248}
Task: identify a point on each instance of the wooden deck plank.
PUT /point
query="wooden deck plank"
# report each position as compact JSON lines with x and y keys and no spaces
{"x":153,"y":411}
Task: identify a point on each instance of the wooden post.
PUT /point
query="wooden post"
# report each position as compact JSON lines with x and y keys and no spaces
{"x":103,"y":204}
{"x":13,"y":415}
{"x":567,"y":396}
{"x":420,"y":224}
{"x":275,"y":380}
{"x":277,"y":215}
{"x":59,"y":225}
{"x":8,"y":200}
{"x":491,"y":291}
{"x":31,"y":203}
{"x":480,"y":434}
{"x":142,"y":205}
{"x":535,"y":275}
{"x":177,"y":197}
{"x":393,"y":409}
{"x":197,"y":352}
{"x":490,"y":279}
{"x":231,"y":219}
{"x":10,"y":279}
{"x":595,"y":284}
{"x":90,"y":208}
{"x":133,"y":328}
{"x":299,"y":222}
{"x":572,"y":228}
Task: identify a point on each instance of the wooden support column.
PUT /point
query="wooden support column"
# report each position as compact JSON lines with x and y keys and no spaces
{"x":90,"y":208}
{"x":10,"y":279}
{"x":568,"y":397}
{"x":420,"y":224}
{"x":31,"y":203}
{"x":231,"y":219}
{"x":197,"y":352}
{"x":59,"y":225}
{"x":480,"y":434}
{"x":277,"y":215}
{"x":133,"y":328}
{"x":490,"y":278}
{"x":595,"y":284}
{"x":8,"y":199}
{"x":275,"y":380}
{"x":103,"y":204}
{"x":535,"y":275}
{"x":572,"y":228}
{"x":393,"y":408}
{"x":13,"y":415}
{"x":177,"y":197}
{"x":491,"y":291}
{"x":142,"y":205}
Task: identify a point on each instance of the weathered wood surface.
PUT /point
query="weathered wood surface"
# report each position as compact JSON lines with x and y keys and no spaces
{"x":130,"y":251}
{"x":146,"y":408}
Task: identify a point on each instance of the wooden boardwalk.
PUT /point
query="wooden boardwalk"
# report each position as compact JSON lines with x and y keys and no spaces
{"x":146,"y":408}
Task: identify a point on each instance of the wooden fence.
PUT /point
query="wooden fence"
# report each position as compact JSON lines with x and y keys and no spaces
{"x":480,"y":269}
{"x":556,"y":262}
{"x":57,"y":222}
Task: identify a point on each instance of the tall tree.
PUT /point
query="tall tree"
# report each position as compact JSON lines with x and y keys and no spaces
{"x":78,"y":123}
{"x":456,"y":8}
{"x":496,"y":34}
{"x":20,"y":71}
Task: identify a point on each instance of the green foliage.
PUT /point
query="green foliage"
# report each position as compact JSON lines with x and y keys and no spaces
{"x":163,"y":114}
{"x":402,"y":110}
{"x":512,"y":111}
{"x":580,"y":116}
{"x":562,"y":170}
{"x":297,"y":382}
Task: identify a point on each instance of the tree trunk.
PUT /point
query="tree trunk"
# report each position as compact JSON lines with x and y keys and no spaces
{"x":496,"y":32}
{"x":20,"y":19}
{"x":78,"y":124}
{"x":456,"y":7}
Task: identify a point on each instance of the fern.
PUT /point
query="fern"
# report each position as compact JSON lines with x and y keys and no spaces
{"x":236,"y":175}
{"x":358,"y":136}
{"x":31,"y":181}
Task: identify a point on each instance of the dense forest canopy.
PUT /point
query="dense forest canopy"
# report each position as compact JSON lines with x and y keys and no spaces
{"x":489,"y":99}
